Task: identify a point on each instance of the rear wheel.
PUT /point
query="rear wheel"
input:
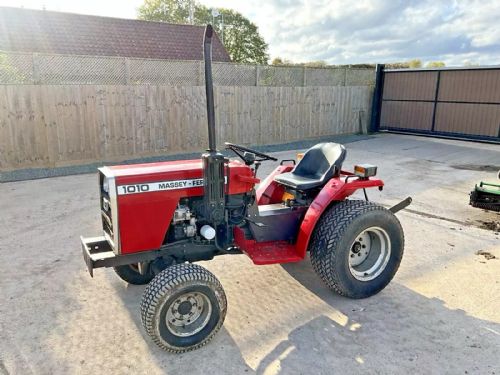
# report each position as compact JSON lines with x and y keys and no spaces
{"x":356,"y":248}
{"x":130,"y":273}
{"x":183,"y":307}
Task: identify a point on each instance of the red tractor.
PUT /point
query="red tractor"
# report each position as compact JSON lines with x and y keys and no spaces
{"x":158,"y":218}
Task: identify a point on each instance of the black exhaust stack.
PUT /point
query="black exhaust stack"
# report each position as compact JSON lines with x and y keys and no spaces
{"x":213,"y":161}
{"x":209,"y":87}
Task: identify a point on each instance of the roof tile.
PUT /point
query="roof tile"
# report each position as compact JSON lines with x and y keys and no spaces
{"x":43,"y":31}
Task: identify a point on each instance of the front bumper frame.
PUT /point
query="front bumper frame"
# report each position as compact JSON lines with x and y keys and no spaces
{"x":97,"y":253}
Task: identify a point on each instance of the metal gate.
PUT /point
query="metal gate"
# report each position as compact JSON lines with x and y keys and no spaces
{"x":456,"y":102}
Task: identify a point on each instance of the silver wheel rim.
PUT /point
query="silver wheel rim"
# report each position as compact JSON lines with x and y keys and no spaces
{"x":188,"y":314}
{"x":369,"y":254}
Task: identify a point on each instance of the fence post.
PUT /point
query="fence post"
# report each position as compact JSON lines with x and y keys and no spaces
{"x":257,"y":75}
{"x":304,"y":80}
{"x":126,"y":65}
{"x":377,"y":98}
{"x":36,"y":69}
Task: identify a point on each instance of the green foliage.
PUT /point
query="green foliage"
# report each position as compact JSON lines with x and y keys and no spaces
{"x":278,"y":61}
{"x":414,"y":64}
{"x":435,"y":64}
{"x":315,"y":64}
{"x":397,"y":65}
{"x":241,"y":36}
{"x":167,"y":11}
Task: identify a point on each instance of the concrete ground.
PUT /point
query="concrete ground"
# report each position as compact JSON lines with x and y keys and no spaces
{"x":440,"y":315}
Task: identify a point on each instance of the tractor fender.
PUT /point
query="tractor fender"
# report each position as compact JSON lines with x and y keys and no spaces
{"x":335,"y":190}
{"x":270,"y":191}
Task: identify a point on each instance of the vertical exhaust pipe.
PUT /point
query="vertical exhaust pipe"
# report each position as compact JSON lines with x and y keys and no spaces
{"x":214,"y":199}
{"x":209,"y":87}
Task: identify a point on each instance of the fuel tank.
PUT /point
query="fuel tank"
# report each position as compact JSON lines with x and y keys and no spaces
{"x":140,"y":200}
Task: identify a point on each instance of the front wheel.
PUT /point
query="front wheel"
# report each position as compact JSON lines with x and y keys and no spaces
{"x":356,"y":248}
{"x":183,"y":307}
{"x":130,"y":273}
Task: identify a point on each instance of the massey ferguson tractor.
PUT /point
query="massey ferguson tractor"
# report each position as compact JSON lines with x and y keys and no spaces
{"x":159,"y":218}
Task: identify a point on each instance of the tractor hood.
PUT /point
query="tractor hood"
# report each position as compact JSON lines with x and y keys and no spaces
{"x":154,"y":171}
{"x":176,"y":171}
{"x":138,"y":198}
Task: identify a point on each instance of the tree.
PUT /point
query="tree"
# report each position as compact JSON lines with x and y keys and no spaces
{"x":415,"y":63}
{"x":315,"y":64}
{"x":435,"y":64}
{"x":241,"y":36}
{"x":278,"y":61}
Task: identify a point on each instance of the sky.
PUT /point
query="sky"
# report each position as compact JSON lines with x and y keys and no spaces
{"x":348,"y":32}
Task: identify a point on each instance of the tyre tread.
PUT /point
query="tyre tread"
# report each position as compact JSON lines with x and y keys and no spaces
{"x":169,"y":279}
{"x":339,"y":216}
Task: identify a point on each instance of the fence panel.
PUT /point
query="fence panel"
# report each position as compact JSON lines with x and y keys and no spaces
{"x":163,"y":72}
{"x":225,"y":74}
{"x":456,"y":102}
{"x":35,"y":68}
{"x":16,"y":68}
{"x":61,"y":69}
{"x":280,"y":76}
{"x":325,"y":76}
{"x":57,"y":125}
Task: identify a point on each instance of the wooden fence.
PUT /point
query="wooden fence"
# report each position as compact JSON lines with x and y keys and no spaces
{"x":50,"y":126}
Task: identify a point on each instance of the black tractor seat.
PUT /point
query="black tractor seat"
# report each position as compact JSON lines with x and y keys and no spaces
{"x":319,"y":164}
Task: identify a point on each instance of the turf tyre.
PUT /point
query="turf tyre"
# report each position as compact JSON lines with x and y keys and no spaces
{"x":161,"y":294}
{"x":333,"y":238}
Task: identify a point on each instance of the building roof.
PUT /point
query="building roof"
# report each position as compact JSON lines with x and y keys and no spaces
{"x":27,"y":30}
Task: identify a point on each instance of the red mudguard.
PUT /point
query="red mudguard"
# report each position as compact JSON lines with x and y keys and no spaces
{"x":335,"y":190}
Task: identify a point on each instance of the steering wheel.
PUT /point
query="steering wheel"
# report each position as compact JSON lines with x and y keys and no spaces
{"x":237,"y":149}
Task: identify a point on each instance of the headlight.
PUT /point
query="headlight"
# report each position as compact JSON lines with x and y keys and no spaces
{"x":105,"y":185}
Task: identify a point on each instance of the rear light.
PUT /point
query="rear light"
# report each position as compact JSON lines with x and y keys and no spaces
{"x":365,"y":170}
{"x":287,"y":197}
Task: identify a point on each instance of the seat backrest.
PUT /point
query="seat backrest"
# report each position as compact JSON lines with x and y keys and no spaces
{"x":322,"y":161}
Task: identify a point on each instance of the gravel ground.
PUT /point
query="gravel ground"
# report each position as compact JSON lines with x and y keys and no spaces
{"x":440,"y":315}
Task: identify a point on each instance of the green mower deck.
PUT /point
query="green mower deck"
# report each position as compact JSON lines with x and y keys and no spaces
{"x":486,"y":195}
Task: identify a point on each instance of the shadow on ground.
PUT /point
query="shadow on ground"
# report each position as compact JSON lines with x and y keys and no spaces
{"x":396,"y":331}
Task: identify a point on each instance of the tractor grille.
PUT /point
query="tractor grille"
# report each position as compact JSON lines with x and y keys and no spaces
{"x":106,"y":213}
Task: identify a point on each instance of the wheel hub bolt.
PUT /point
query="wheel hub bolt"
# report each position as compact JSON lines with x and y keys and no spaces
{"x":356,"y":248}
